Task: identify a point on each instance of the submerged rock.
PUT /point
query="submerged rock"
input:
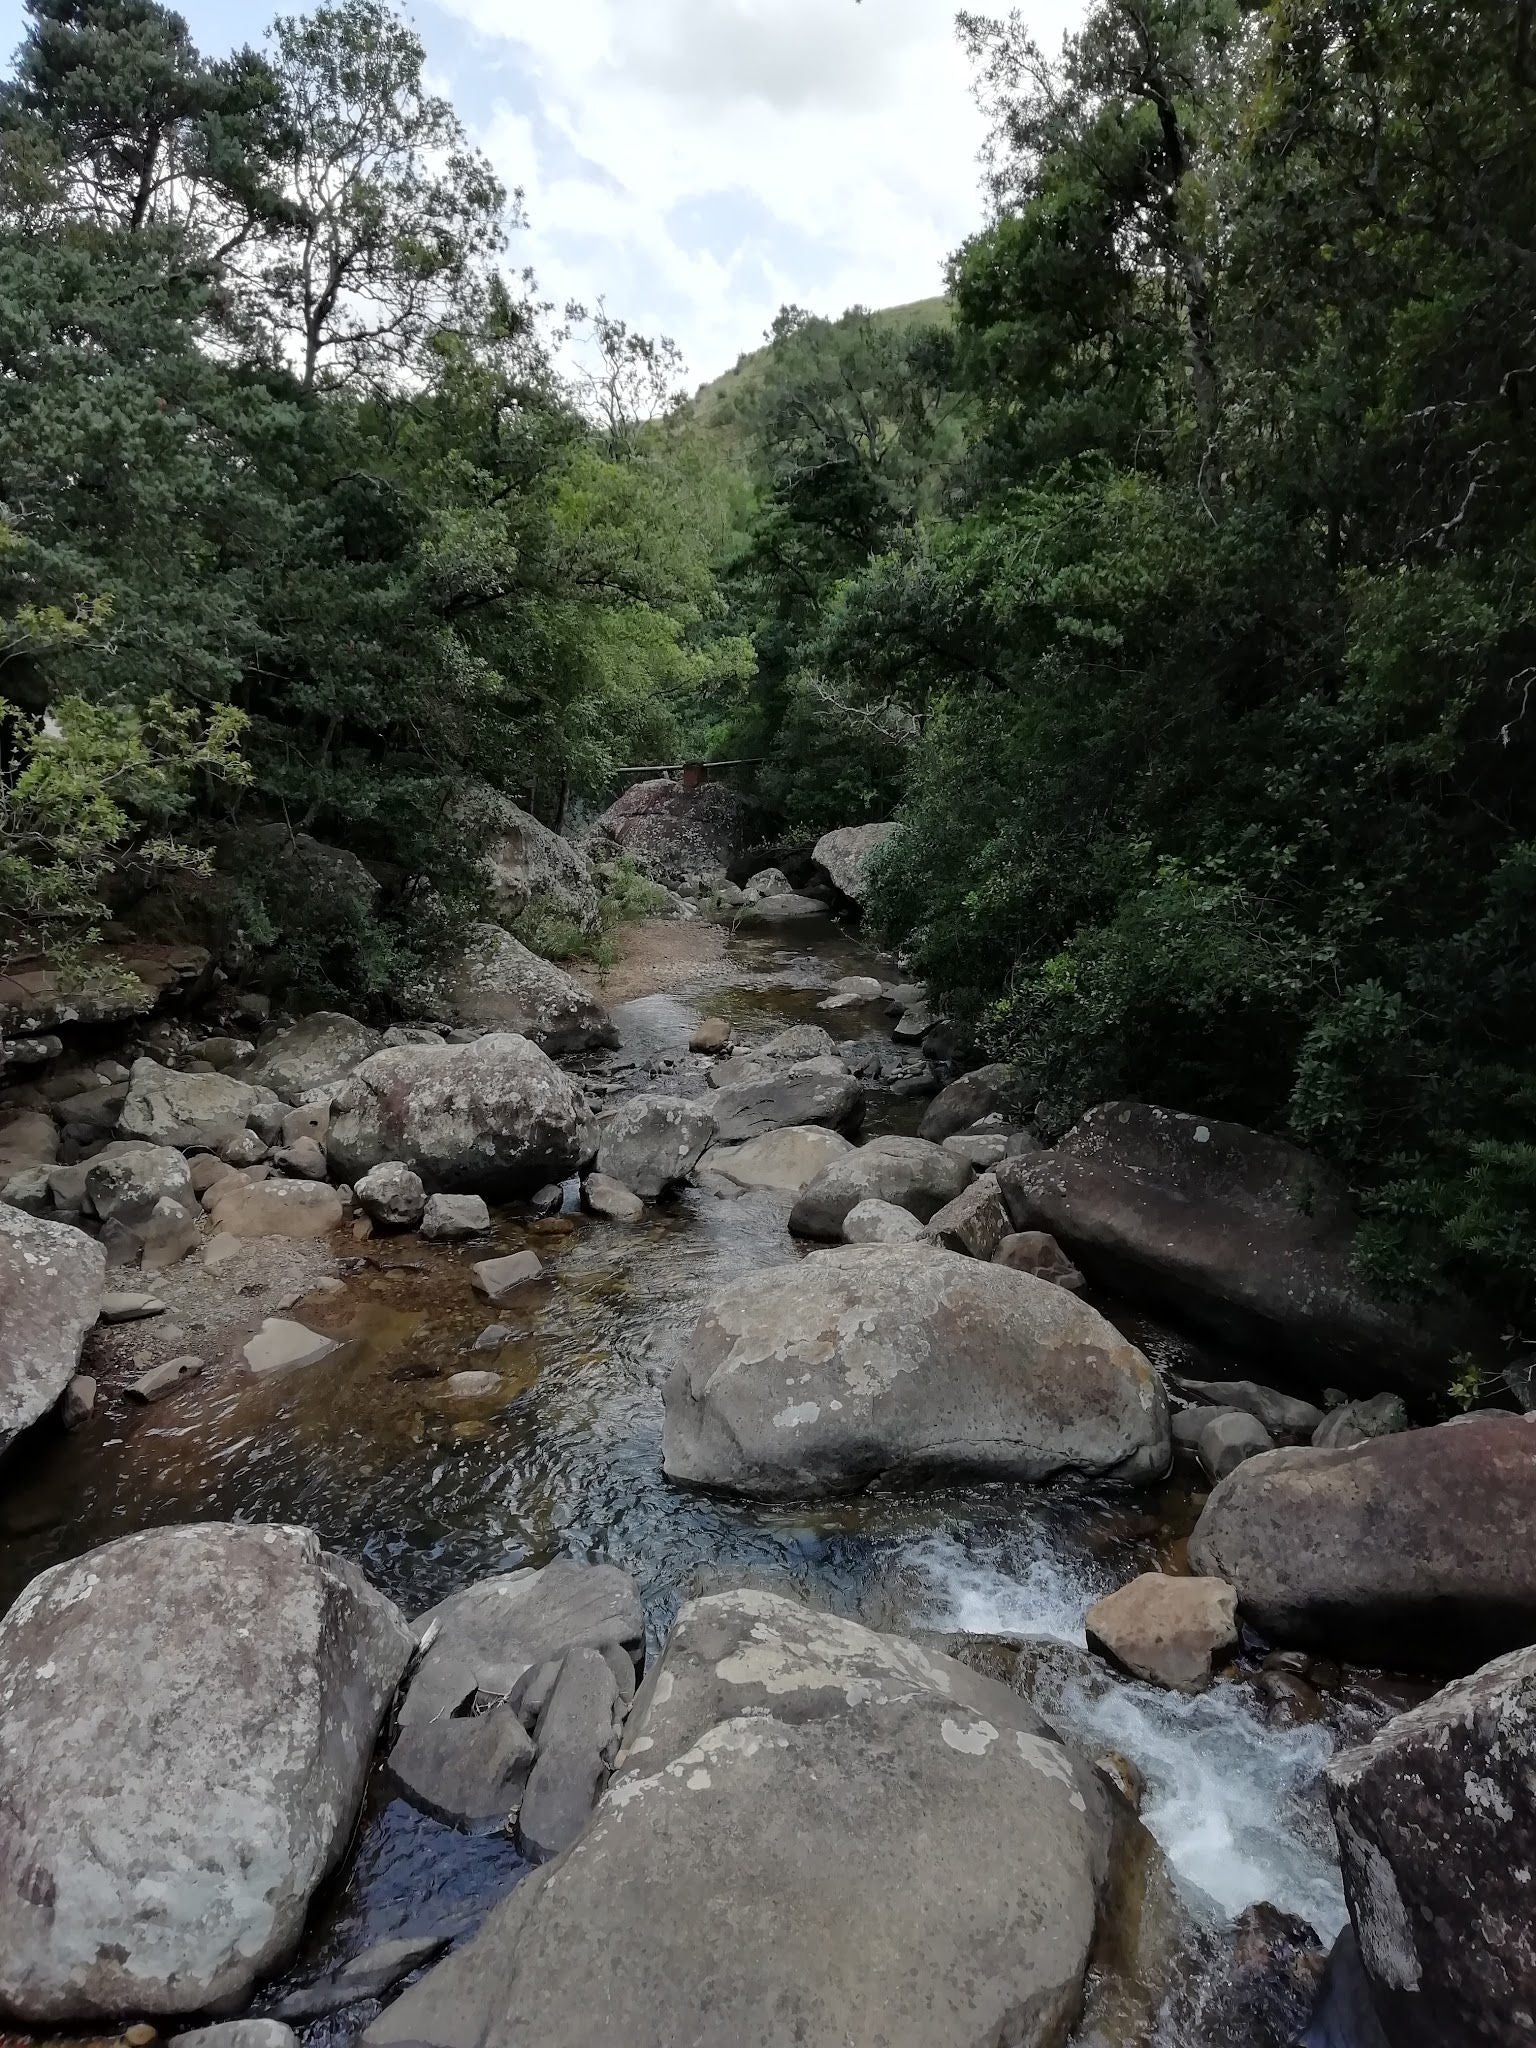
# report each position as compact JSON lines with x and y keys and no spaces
{"x":869,"y":1364}
{"x":186,"y":1722}
{"x":1416,"y":1551}
{"x":749,"y":1875}
{"x":496,"y":1117}
{"x":51,"y":1279}
{"x":907,"y":1172}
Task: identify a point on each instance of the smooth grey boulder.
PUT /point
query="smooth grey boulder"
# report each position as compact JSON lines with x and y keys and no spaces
{"x":604,"y":1197}
{"x":785,"y":1161}
{"x":975,"y":1222}
{"x":488,"y":1637}
{"x":1188,"y":1425}
{"x":502,"y":986}
{"x":988,"y":1091}
{"x":392,"y":1195}
{"x":186,"y":1722}
{"x":845,"y":854}
{"x":907,"y":1172}
{"x":748,"y":1876}
{"x":303,"y":1159}
{"x":1415,"y":1551}
{"x":816,"y":1091}
{"x":314,"y":1056}
{"x":577,"y":1734}
{"x":1230,"y":1437}
{"x":867,"y":1364}
{"x":1436,"y":1819}
{"x":1245,"y":1235}
{"x":51,"y":1282}
{"x":1283,"y":1415}
{"x":880,"y":1223}
{"x":651,"y":1142}
{"x":1358,"y":1421}
{"x":194,"y":1112}
{"x":448,"y":1217}
{"x":495,"y":1117}
{"x":467,"y":1770}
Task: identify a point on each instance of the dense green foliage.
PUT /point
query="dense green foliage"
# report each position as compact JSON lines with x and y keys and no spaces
{"x":1204,"y":670}
{"x":285,"y":466}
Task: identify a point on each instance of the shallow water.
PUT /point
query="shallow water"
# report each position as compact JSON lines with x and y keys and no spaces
{"x":428,"y":1492}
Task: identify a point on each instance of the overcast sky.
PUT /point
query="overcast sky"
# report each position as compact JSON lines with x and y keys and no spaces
{"x":703,"y":162}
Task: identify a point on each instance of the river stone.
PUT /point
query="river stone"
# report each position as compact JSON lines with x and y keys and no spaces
{"x":124,"y":1182}
{"x":1436,"y":1819}
{"x":186,"y":1722}
{"x":447,"y":1217}
{"x":368,"y":1976}
{"x":1190,"y":1424}
{"x":1166,"y":1629}
{"x":499,"y":1279}
{"x":767,"y":882}
{"x":1417,"y":1551}
{"x":777,"y":1771}
{"x":999,"y":1089}
{"x":491,"y":1635}
{"x":909,"y":1172}
{"x":880,"y":1223}
{"x":711,"y":1034}
{"x":774,"y":910}
{"x":1358,"y":1421}
{"x":302,"y":1159}
{"x":1228,"y":1438}
{"x":975,"y":1222}
{"x":501,"y":986}
{"x":392,"y":1195}
{"x":196,"y":1112}
{"x":467,"y":1770}
{"x":651,"y":1142}
{"x":1247,"y":1236}
{"x":1037,"y":1252}
{"x":815,"y":1091}
{"x":496,"y":1117}
{"x":784,"y":1161}
{"x":165,"y":1378}
{"x":280,"y":1343}
{"x":77,"y":1403}
{"x":845,"y":855}
{"x":577,"y":1735}
{"x":606,"y":1198}
{"x":1281,"y":1414}
{"x":981,"y":1150}
{"x":51,"y":1278}
{"x":868,"y":1364}
{"x":274,"y":1208}
{"x":314,"y":1056}
{"x":28,"y":1137}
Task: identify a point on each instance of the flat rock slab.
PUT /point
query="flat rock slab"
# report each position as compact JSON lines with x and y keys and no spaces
{"x":274,"y":1208}
{"x":1166,"y":1629}
{"x":238,"y":2034}
{"x":748,"y":1877}
{"x":468,"y":1770}
{"x":499,"y":1279}
{"x":814,"y":1091}
{"x":186,"y":1722}
{"x":129,"y":1308}
{"x":50,"y":1293}
{"x":165,"y":1378}
{"x":194,"y":1111}
{"x":869,"y":1364}
{"x":280,"y":1343}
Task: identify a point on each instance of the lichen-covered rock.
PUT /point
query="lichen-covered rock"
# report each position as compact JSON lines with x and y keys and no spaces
{"x":533,"y":869}
{"x":195,"y":1112}
{"x":186,"y":1722}
{"x":274,"y":1208}
{"x":871,"y":1364}
{"x":502,"y":986}
{"x":672,"y":831}
{"x":845,"y":854}
{"x":392,"y":1195}
{"x":815,"y":1091}
{"x":908,"y":1172}
{"x":496,"y":1117}
{"x":786,"y":1161}
{"x":314,"y":1056}
{"x":873,"y":1222}
{"x":975,"y":1222}
{"x":651,"y":1142}
{"x":1436,"y":1819}
{"x":51,"y":1280}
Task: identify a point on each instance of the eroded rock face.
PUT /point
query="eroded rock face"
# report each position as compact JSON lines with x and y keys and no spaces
{"x":51,"y":1280}
{"x":496,"y":1117}
{"x":870,"y":1363}
{"x":776,"y":1771}
{"x":845,"y":856}
{"x":1415,"y":1551}
{"x":186,"y":1722}
{"x":195,"y":1112}
{"x":1436,"y":1820}
{"x":651,"y":1142}
{"x":1245,"y":1235}
{"x":502,"y":986}
{"x":907,"y":1172}
{"x":314,"y":1056}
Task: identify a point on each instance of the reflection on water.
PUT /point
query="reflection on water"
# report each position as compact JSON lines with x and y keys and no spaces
{"x":428,"y":1491}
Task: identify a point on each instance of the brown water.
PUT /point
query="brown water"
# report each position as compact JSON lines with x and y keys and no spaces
{"x":428,"y":1492}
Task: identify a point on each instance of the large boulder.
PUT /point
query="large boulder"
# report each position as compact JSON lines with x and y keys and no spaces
{"x":1436,"y":1818}
{"x":1416,"y":1551}
{"x":186,"y":1722}
{"x":769,"y":911}
{"x":1245,"y":1235}
{"x":51,"y":1281}
{"x":143,"y":1195}
{"x":749,"y":1876}
{"x":651,"y":1142}
{"x":785,"y":1161}
{"x":502,"y":986}
{"x":314,"y":1056}
{"x":908,"y":1172}
{"x":999,"y":1090}
{"x":870,"y":1364}
{"x":195,"y":1112}
{"x":532,"y":869}
{"x":671,"y":830}
{"x":496,"y":1117}
{"x":816,"y":1091}
{"x":844,"y":855}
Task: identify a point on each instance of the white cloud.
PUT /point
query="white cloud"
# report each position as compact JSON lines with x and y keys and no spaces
{"x":700,"y":162}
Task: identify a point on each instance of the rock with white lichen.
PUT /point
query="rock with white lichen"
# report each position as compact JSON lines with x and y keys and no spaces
{"x":51,"y":1278}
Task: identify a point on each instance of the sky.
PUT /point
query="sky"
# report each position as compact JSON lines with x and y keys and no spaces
{"x":700,"y":163}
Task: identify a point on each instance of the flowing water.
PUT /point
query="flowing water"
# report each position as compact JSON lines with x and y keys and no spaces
{"x":427,"y":1492}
